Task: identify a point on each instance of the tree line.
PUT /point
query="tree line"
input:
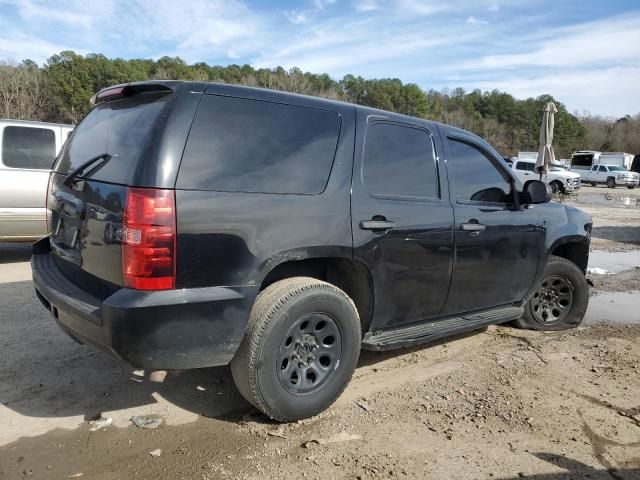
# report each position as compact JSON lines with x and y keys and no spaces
{"x":60,"y":90}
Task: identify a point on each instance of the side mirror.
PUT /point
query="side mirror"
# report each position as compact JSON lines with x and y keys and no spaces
{"x":535,"y":191}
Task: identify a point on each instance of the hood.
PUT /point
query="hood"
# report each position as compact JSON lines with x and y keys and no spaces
{"x":565,"y":173}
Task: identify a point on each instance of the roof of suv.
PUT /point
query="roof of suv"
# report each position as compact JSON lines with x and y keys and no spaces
{"x":314,"y":102}
{"x":261,"y":93}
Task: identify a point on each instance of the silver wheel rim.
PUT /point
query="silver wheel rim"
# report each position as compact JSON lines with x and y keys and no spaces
{"x":552,"y":301}
{"x":309,"y":353}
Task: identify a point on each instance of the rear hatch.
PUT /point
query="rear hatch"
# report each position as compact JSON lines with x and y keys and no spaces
{"x":91,"y":180}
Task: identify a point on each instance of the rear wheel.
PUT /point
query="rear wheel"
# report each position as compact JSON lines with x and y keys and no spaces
{"x":559,"y":300}
{"x":611,"y":182}
{"x":301,"y":347}
{"x":594,"y":184}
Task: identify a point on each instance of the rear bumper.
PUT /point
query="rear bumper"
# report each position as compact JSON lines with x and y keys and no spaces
{"x":172,"y":329}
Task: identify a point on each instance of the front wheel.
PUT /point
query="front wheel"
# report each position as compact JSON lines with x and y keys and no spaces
{"x":631,"y":187}
{"x":300,"y":349}
{"x":556,"y":187}
{"x":594,"y":184}
{"x":559,"y":300}
{"x":611,"y":182}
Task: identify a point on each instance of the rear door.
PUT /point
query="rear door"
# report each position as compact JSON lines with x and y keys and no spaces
{"x":402,"y":224}
{"x":497,"y":245}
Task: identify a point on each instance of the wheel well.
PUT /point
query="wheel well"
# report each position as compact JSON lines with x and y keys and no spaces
{"x":349,"y":276}
{"x":575,"y":252}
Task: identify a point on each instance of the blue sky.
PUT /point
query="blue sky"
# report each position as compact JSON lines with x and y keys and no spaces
{"x":584,"y":52}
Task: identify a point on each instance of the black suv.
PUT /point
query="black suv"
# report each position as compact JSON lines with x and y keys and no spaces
{"x":196,"y":225}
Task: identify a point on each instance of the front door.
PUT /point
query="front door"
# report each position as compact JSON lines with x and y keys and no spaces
{"x":497,"y":245}
{"x":402,"y":222}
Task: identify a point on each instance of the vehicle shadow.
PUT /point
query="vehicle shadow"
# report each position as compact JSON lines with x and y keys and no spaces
{"x":45,"y":374}
{"x":14,"y":252}
{"x":369,"y":357}
{"x":575,"y":469}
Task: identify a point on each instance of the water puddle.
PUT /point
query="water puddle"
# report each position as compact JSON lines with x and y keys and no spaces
{"x":614,"y":262}
{"x":608,"y":198}
{"x":613,"y":308}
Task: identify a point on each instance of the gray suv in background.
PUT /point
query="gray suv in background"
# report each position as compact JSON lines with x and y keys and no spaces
{"x":27,"y":151}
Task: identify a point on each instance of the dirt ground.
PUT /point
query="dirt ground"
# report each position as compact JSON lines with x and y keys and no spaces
{"x":500,"y":403}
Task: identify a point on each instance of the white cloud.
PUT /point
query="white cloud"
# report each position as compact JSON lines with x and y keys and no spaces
{"x":295,"y":16}
{"x":471,"y":20}
{"x":366,"y":6}
{"x":494,"y":7}
{"x":421,"y":7}
{"x":33,"y":11}
{"x":16,"y":46}
{"x":605,"y":41}
{"x":608,"y":91}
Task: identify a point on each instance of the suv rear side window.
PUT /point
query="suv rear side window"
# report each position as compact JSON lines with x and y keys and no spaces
{"x":399,"y":161}
{"x":26,"y":147}
{"x":474,"y":176}
{"x":242,"y":145}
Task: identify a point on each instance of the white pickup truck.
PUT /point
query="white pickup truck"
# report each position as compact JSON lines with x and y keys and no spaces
{"x":557,"y":177}
{"x":612,"y":175}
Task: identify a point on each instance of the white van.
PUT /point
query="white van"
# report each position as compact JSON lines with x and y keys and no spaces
{"x":27,"y":151}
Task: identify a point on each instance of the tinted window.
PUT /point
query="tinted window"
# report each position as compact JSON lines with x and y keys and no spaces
{"x":399,"y":161}
{"x":582,"y":160}
{"x":603,"y":168}
{"x":25,"y":147}
{"x":530,"y":167}
{"x":474,"y":176}
{"x":240,"y":145}
{"x":121,"y":128}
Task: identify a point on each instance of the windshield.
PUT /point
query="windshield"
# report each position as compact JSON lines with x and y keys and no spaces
{"x":616,"y":168}
{"x":120,"y":129}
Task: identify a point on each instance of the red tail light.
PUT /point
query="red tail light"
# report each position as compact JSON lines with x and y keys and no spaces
{"x":149,"y":239}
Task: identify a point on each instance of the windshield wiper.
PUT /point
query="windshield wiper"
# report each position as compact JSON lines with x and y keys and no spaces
{"x":105,"y":157}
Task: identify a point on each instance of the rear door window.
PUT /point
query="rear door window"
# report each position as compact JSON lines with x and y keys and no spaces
{"x":474,"y":176}
{"x":242,"y":145}
{"x":121,"y":128}
{"x":399,"y":161}
{"x":27,"y":147}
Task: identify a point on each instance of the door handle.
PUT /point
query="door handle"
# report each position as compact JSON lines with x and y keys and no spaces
{"x":376,"y":225}
{"x":473,"y":227}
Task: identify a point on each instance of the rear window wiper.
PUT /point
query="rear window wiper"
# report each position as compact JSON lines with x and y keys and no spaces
{"x":105,"y":157}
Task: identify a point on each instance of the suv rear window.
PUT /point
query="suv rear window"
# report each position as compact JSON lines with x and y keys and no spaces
{"x":241,"y":145}
{"x":27,"y":147}
{"x":121,"y":128}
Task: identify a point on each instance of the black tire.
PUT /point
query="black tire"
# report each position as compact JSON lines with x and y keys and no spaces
{"x":631,"y":187}
{"x":556,"y":187}
{"x":594,"y":184}
{"x":611,"y":182}
{"x":279,"y":314}
{"x":548,"y":297}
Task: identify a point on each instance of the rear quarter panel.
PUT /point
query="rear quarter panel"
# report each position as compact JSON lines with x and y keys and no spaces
{"x":235,"y":239}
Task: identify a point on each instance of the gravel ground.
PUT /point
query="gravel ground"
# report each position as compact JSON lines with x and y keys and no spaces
{"x":499,"y":403}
